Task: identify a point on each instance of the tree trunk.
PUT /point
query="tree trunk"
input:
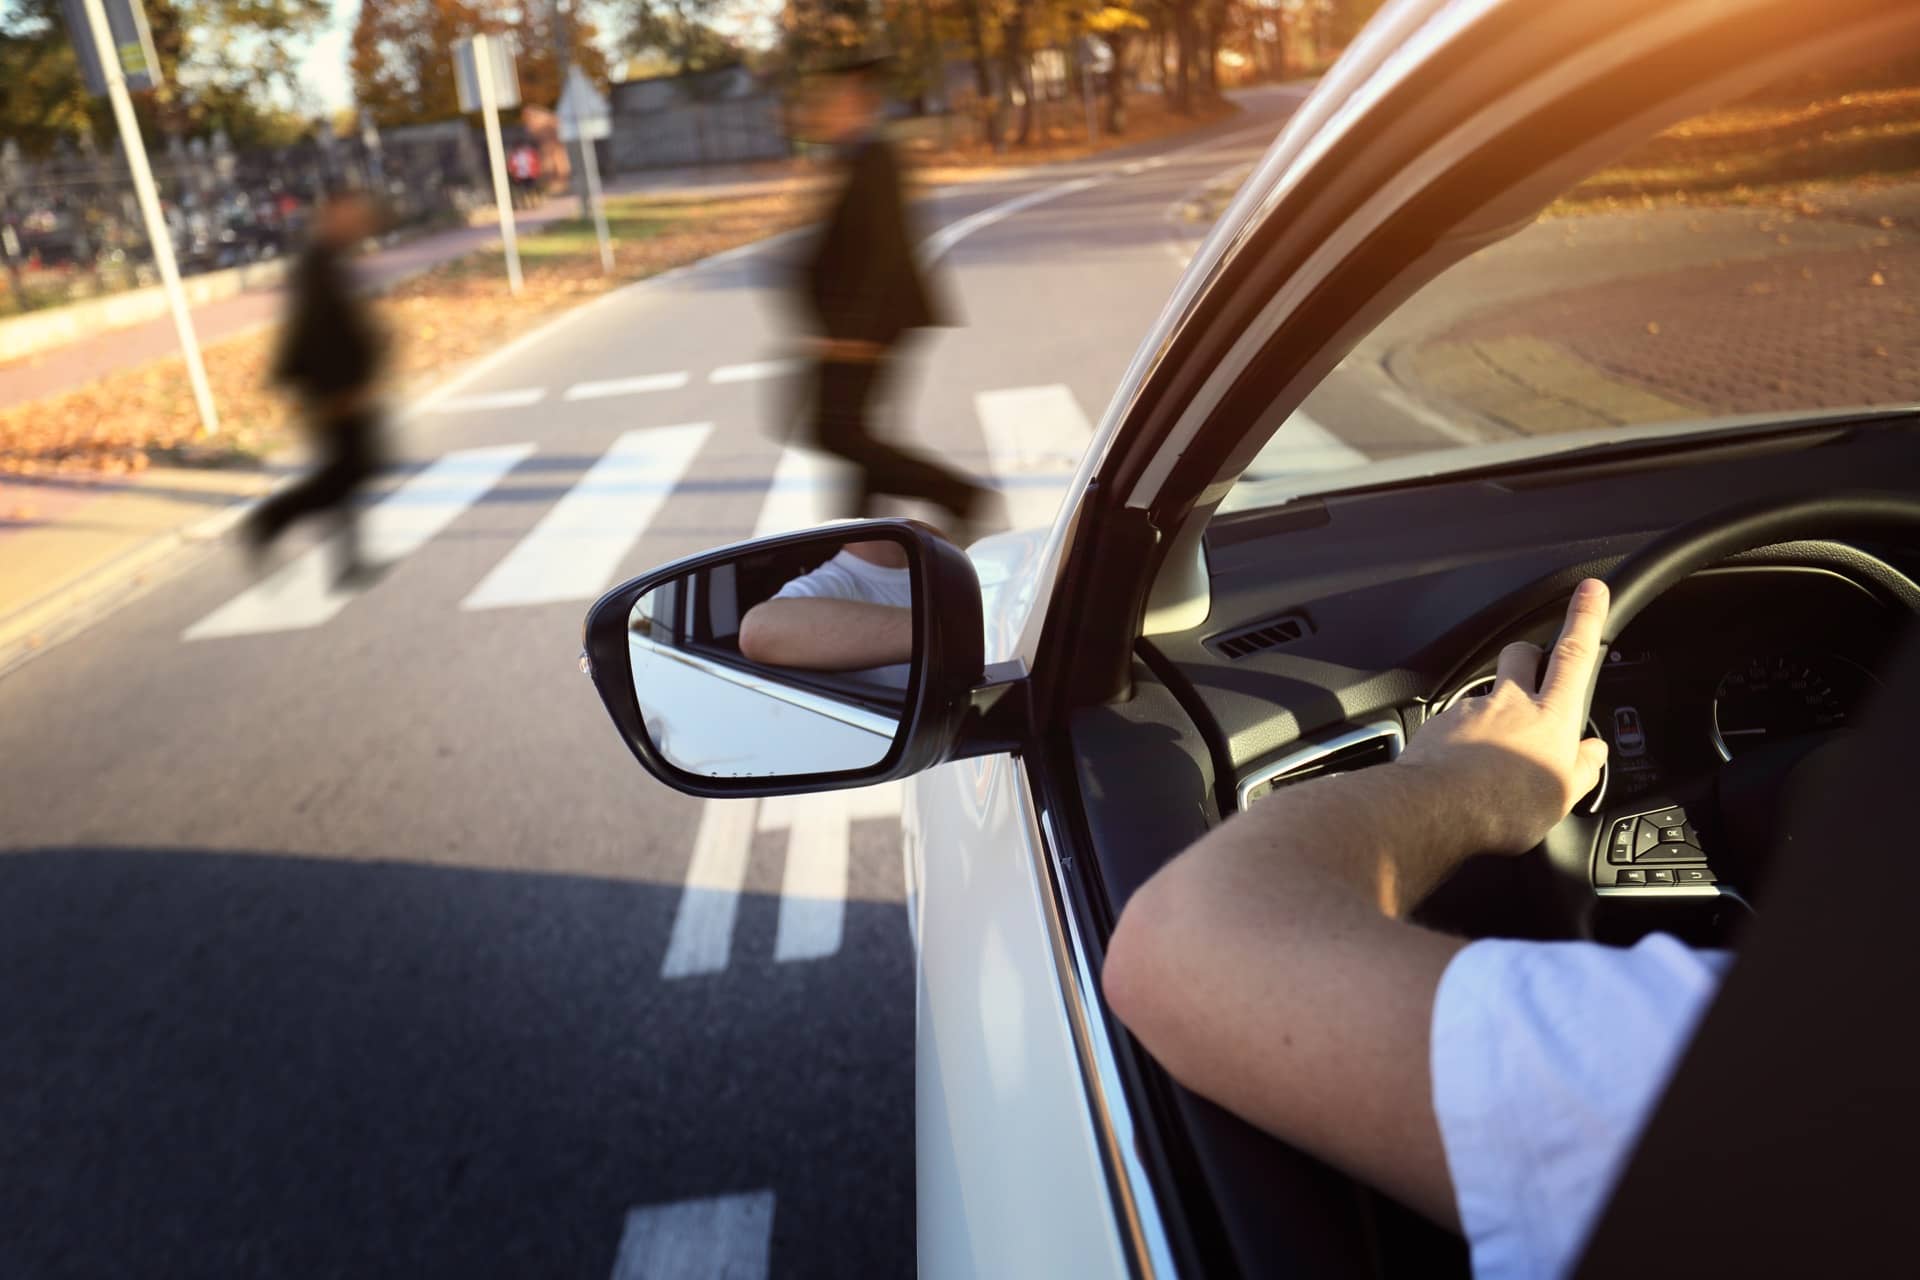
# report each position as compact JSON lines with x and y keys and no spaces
{"x":1019,"y":70}
{"x":1184,"y":51}
{"x":1117,"y":83}
{"x":983,"y":75}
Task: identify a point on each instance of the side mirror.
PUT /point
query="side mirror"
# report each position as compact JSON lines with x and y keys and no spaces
{"x":830,"y":658}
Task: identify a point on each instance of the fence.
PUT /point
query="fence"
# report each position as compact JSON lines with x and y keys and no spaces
{"x":730,"y":131}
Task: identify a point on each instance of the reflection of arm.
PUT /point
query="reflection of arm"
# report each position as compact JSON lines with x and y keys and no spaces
{"x":826,"y":635}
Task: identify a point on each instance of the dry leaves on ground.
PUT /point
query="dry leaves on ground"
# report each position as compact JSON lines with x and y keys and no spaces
{"x":436,"y":321}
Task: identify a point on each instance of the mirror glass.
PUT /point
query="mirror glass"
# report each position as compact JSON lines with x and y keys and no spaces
{"x":789,"y":660}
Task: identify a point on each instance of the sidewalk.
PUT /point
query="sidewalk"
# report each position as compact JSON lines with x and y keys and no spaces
{"x":77,"y":364}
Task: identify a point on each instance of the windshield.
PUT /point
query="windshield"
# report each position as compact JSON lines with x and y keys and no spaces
{"x":1756,"y":259}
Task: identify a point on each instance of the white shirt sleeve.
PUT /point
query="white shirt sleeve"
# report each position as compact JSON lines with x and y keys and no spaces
{"x":1547,"y":1058}
{"x":848,"y":577}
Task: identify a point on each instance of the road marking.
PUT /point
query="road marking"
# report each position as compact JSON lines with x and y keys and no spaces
{"x":302,"y":593}
{"x":942,"y":241}
{"x":808,"y":488}
{"x":753,"y":371}
{"x":718,"y":1238}
{"x":576,"y":548}
{"x":882,"y":800}
{"x":1301,"y":444}
{"x":1035,"y":436}
{"x":813,"y":894}
{"x":626,"y":386}
{"x":518,"y":398}
{"x":702,"y":934}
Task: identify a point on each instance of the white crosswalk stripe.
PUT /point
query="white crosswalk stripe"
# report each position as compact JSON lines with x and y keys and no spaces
{"x":808,"y":488}
{"x":1035,"y":436}
{"x":753,"y":371}
{"x":702,"y":936}
{"x":626,"y":386}
{"x":813,"y":897}
{"x":519,"y":398}
{"x":302,"y":593}
{"x":716,"y":1238}
{"x":1300,"y":445}
{"x":575,"y":550}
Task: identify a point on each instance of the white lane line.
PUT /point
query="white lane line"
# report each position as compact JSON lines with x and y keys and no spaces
{"x":576,"y":548}
{"x":753,"y":371}
{"x":302,"y":593}
{"x":813,"y":894}
{"x":1300,"y":445}
{"x":702,"y":936}
{"x":942,"y":241}
{"x":1035,"y":436}
{"x":808,"y":488}
{"x":518,"y":398}
{"x":626,"y":386}
{"x":718,"y":1238}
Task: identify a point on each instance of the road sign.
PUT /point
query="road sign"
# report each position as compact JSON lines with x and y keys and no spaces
{"x":583,"y":109}
{"x":127,"y":29}
{"x":466,"y":80}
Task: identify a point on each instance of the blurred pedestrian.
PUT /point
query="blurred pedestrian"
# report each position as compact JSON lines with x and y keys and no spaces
{"x":862,"y":291}
{"x":523,"y":166}
{"x":329,"y":356}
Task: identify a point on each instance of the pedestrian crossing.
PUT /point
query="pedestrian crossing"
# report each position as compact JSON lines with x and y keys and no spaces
{"x":813,"y":895}
{"x":1035,"y":437}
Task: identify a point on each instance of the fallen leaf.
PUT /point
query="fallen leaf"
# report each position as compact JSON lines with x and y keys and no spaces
{"x":1876,"y":279}
{"x":1653,"y":327}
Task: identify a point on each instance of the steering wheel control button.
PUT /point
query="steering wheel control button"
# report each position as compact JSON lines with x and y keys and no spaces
{"x":1692,"y":875}
{"x":1674,"y":817}
{"x":1620,"y":847}
{"x":1660,"y":875}
{"x":1671,"y":853}
{"x":1673,"y":835}
{"x":1632,"y":875}
{"x":1645,"y":837}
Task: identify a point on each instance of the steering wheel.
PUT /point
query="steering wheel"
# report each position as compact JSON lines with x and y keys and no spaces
{"x":1668,"y":844}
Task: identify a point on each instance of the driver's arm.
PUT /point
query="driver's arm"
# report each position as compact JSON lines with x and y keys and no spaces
{"x":1271,"y":966}
{"x":823,"y":634}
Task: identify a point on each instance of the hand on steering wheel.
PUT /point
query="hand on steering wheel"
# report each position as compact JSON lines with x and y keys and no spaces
{"x":1533,"y":716}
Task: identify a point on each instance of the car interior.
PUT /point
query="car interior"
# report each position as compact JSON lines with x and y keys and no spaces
{"x":1764,"y":580}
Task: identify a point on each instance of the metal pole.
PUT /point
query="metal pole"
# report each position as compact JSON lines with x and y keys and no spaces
{"x":591,"y":164}
{"x":1086,"y":87}
{"x":157,"y":233}
{"x":483,"y":76}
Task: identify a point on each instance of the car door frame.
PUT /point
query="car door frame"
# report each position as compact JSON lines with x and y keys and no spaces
{"x":1447,"y":131}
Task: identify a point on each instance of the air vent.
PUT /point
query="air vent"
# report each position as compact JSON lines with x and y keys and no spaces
{"x":1355,"y":749}
{"x":1261,"y":636}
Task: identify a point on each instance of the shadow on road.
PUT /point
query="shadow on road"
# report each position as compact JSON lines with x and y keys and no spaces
{"x":221,"y":1064}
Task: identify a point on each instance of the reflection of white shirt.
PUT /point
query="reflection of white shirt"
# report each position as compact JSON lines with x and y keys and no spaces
{"x":1548,"y":1058}
{"x":848,"y":577}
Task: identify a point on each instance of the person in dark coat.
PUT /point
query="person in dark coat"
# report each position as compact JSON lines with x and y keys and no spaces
{"x":329,"y":356}
{"x":862,"y":292}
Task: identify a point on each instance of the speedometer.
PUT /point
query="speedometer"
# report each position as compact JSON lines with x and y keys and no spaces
{"x":1770,"y":699}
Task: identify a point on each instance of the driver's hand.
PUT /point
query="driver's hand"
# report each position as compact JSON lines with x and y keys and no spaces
{"x":1516,"y":754}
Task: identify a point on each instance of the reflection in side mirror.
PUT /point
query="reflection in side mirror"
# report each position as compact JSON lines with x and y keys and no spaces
{"x":794,"y":660}
{"x":809,"y":661}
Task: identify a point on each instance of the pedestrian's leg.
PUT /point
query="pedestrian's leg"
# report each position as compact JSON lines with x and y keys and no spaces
{"x":358,"y":462}
{"x":846,"y":391}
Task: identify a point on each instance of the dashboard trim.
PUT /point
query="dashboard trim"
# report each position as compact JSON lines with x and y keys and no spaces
{"x":1391,"y":730}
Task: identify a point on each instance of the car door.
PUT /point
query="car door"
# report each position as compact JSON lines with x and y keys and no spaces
{"x":1447,"y":127}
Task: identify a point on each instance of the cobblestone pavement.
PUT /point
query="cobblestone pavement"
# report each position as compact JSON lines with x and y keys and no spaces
{"x":1623,"y":318}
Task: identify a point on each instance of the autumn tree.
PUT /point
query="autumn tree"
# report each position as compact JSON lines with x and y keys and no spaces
{"x":225,"y":65}
{"x":681,"y":32}
{"x":401,"y":55}
{"x":1116,"y":26}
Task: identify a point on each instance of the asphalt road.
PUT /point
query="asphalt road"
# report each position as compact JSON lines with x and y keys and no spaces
{"x":336,"y":931}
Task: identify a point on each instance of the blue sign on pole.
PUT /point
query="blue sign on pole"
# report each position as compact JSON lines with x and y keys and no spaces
{"x":132,"y":40}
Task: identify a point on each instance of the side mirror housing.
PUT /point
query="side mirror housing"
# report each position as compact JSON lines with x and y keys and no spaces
{"x":834,"y":657}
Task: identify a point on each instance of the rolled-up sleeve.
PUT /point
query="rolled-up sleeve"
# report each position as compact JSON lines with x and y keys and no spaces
{"x":1546,"y":1060}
